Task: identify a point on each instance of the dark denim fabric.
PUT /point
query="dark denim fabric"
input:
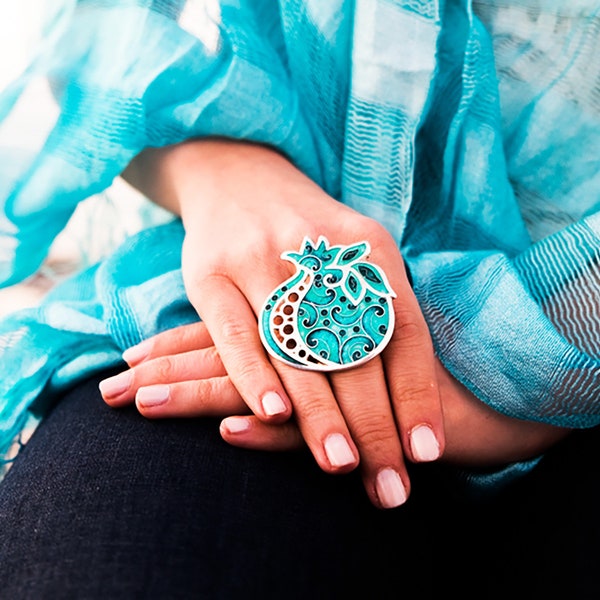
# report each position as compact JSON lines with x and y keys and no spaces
{"x":104,"y":504}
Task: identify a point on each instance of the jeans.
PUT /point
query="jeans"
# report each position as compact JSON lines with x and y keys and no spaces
{"x":105,"y":504}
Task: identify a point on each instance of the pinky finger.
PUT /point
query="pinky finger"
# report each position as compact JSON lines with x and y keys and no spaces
{"x":185,"y":338}
{"x":252,"y":433}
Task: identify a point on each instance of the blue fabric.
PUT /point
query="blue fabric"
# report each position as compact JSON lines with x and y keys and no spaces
{"x":470,"y":130}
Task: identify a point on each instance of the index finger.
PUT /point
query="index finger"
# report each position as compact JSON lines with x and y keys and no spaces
{"x":232,"y":325}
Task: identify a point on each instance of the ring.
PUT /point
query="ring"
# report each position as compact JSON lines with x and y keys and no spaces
{"x":335,"y":312}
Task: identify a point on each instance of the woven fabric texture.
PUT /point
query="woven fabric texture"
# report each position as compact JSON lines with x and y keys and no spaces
{"x":471,"y":131}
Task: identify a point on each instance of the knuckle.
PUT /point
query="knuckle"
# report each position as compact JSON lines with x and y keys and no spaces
{"x":247,"y":370}
{"x":234,"y":332}
{"x":306,"y":228}
{"x":411,"y":392}
{"x":257,"y":251}
{"x":190,"y":332}
{"x":314,"y":410}
{"x":293,"y":230}
{"x":212,"y":358}
{"x":164,"y":369}
{"x":246,"y":367}
{"x":198,"y":398}
{"x":377,"y":234}
{"x":201,"y":282}
{"x":377,"y":431}
{"x":374,"y":229}
{"x":211,"y":278}
{"x":410,"y":327}
{"x":203,"y":393}
{"x":195,"y":273}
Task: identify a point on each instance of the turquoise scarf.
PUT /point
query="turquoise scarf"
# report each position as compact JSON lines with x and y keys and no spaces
{"x":471,"y":131}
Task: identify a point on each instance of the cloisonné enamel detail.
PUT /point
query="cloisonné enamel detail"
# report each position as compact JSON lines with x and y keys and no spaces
{"x":335,"y":312}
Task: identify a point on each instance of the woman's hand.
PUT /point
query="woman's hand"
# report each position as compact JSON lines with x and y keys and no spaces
{"x":242,"y":206}
{"x":183,"y":362}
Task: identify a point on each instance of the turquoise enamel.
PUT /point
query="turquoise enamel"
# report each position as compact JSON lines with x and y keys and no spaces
{"x":335,"y":312}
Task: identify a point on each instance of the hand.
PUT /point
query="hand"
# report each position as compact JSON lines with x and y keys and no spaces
{"x":242,"y":206}
{"x":479,"y":436}
{"x":476,"y":435}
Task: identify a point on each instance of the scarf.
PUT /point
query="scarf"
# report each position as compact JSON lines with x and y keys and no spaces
{"x":470,"y":130}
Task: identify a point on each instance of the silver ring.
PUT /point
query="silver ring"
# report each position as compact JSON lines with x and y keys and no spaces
{"x":334,"y":313}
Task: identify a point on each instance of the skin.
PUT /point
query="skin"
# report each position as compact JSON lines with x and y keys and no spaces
{"x":242,"y":205}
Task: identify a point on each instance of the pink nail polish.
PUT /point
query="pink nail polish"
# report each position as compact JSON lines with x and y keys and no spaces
{"x":273,"y":404}
{"x":136,"y":354}
{"x":424,"y":444}
{"x":117,"y":385}
{"x":236,"y":424}
{"x":390,"y":489}
{"x":338,"y":450}
{"x":153,"y":395}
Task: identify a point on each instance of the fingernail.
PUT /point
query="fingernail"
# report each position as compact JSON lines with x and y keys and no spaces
{"x":273,"y":404}
{"x":390,"y":489}
{"x":153,"y":395}
{"x":424,"y":444}
{"x":136,"y":354}
{"x":114,"y":386}
{"x":338,"y":450}
{"x":236,"y":424}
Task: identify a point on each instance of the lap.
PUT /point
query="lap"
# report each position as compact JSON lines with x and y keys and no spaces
{"x":104,"y":503}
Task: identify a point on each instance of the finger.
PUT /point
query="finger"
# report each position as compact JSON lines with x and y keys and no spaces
{"x":121,"y":389}
{"x":215,"y":397}
{"x":249,"y":432}
{"x":409,"y":363}
{"x":409,"y":360}
{"x":318,"y":432}
{"x":185,"y":338}
{"x":316,"y":410}
{"x":363,"y":398}
{"x":320,"y":420}
{"x":233,"y":327}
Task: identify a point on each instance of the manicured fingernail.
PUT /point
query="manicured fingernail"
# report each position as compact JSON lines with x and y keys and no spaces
{"x":273,"y":404}
{"x":114,"y":386}
{"x":424,"y":444}
{"x":390,"y":489}
{"x":136,"y":354}
{"x":236,"y":424}
{"x":153,"y":395}
{"x":338,"y":450}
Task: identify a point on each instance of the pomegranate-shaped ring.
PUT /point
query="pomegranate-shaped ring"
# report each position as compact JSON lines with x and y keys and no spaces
{"x":335,"y":312}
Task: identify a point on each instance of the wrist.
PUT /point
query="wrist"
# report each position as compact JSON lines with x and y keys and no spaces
{"x":175,"y":176}
{"x":217,"y":169}
{"x":479,"y":436}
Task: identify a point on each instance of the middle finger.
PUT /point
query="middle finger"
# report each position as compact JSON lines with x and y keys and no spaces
{"x":363,"y":398}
